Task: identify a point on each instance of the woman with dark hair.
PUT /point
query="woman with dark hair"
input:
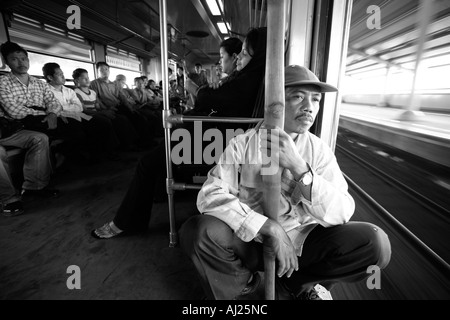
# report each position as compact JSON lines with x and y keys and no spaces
{"x":236,"y":96}
{"x":229,"y":50}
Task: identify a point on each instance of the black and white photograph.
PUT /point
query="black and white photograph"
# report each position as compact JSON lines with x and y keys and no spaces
{"x":220,"y":155}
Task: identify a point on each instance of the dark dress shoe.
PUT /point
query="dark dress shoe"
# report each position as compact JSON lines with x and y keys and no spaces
{"x":12,"y":209}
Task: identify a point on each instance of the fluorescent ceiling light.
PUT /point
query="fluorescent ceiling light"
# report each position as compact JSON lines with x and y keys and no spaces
{"x":223,"y":29}
{"x":212,"y":4}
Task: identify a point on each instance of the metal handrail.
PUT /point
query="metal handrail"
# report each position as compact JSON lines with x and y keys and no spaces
{"x":178,"y":119}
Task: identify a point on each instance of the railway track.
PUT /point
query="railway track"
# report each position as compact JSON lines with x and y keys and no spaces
{"x":417,"y":225}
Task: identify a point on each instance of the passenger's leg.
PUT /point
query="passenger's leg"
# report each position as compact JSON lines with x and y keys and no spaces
{"x":140,"y":124}
{"x":8,"y":193}
{"x":223,"y":261}
{"x":112,"y":141}
{"x":136,"y":207}
{"x":125,"y":131}
{"x":100,"y":133}
{"x":75,"y":143}
{"x":37,"y":167}
{"x":154,"y":120}
{"x":339,"y":254}
{"x":34,"y":123}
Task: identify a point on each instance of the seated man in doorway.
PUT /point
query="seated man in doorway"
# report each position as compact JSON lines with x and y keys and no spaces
{"x":313,"y":241}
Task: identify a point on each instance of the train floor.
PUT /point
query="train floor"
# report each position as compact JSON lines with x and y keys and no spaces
{"x":39,"y":247}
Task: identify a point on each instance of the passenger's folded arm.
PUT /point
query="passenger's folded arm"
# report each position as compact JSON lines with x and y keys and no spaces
{"x":219,"y":197}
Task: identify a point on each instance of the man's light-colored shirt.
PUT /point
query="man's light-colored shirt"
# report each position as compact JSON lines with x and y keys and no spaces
{"x":71,"y":105}
{"x":233,"y":191}
{"x":17,"y":98}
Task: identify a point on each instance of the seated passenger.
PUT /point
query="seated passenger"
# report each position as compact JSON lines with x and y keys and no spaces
{"x":156,"y":91}
{"x":229,"y":51}
{"x":131,"y":108}
{"x":177,"y":97}
{"x":237,"y":94}
{"x":148,"y":105}
{"x":99,"y":132}
{"x":199,"y":76}
{"x":24,"y":97}
{"x":110,"y":97}
{"x":172,"y":76}
{"x":145,"y":80}
{"x":313,"y":241}
{"x":37,"y":168}
{"x":219,"y":74}
{"x":92,"y":107}
{"x":180,"y":77}
{"x":126,"y":98}
{"x":135,"y":210}
{"x":31,"y":101}
{"x":145,"y":98}
{"x":88,"y":97}
{"x":147,"y":87}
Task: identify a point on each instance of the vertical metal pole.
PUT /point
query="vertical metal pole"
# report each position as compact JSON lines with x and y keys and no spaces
{"x":316,"y":34}
{"x":255,"y":19}
{"x":273,"y":116}
{"x":250,"y":12}
{"x":167,"y":125}
{"x":262,"y":13}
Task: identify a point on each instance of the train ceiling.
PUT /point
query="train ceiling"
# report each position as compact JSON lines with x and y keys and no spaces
{"x":133,"y":25}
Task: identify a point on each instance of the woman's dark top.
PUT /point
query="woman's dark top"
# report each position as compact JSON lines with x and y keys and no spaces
{"x":237,"y":96}
{"x":234,"y":98}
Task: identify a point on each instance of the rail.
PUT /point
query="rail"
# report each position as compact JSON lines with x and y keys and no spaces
{"x":385,"y":215}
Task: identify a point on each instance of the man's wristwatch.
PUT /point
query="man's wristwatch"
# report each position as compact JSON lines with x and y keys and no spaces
{"x":306,"y":179}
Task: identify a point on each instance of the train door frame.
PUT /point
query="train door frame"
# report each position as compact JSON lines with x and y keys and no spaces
{"x":321,"y":30}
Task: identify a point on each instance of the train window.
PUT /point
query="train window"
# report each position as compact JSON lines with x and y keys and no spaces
{"x":375,"y":79}
{"x":49,"y":40}
{"x":46,"y":43}
{"x":38,"y":60}
{"x":394,"y":59}
{"x":125,"y":63}
{"x":130,"y":75}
